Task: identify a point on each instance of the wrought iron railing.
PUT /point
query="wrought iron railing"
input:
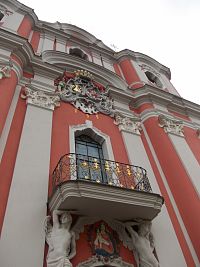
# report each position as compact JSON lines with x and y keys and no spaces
{"x":80,"y":167}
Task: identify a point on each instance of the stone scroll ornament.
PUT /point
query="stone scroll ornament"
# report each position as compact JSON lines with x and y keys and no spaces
{"x":84,"y":94}
{"x":60,"y":238}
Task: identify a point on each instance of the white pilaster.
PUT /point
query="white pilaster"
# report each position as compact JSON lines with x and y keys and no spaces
{"x":169,"y":85}
{"x":139,"y":72}
{"x":96,"y":58}
{"x":22,"y":238}
{"x":61,"y":45}
{"x":165,"y":236}
{"x":175,"y":131}
{"x":13,"y":22}
{"x":188,"y":159}
{"x":108,"y":65}
{"x":48,"y":43}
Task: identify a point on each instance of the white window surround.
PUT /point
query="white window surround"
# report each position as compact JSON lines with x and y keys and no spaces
{"x":95,"y":134}
{"x":80,"y":48}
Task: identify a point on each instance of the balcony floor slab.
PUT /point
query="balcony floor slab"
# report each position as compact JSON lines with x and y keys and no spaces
{"x":94,"y":199}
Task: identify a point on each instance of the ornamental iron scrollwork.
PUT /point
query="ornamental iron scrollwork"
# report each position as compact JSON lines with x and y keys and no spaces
{"x":84,"y":94}
{"x":81,"y":167}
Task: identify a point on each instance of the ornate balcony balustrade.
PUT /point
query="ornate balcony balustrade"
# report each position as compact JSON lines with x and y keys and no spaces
{"x":86,"y":168}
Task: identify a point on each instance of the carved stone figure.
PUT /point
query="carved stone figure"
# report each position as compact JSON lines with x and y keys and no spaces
{"x":143,"y":243}
{"x":61,"y":240}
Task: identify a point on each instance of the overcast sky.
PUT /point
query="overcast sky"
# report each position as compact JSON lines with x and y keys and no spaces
{"x":167,"y":30}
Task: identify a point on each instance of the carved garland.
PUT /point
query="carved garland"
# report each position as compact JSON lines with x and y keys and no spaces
{"x":41,"y":99}
{"x":5,"y":71}
{"x":84,"y":94}
{"x":171,"y":126}
{"x":128,"y":124}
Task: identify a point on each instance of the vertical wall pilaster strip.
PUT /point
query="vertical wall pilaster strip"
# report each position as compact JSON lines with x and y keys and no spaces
{"x":189,"y":161}
{"x":129,"y":72}
{"x":193,"y":140}
{"x":26,"y":208}
{"x":181,"y":232}
{"x":162,"y":227}
{"x":177,"y":178}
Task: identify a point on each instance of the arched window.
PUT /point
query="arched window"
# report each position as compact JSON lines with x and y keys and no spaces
{"x":78,"y":53}
{"x":90,"y":159}
{"x":153,"y":79}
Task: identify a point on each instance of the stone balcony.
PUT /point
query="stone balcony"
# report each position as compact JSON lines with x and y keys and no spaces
{"x":97,"y":187}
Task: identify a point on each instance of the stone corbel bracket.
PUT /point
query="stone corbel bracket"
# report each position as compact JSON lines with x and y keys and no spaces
{"x":41,"y":98}
{"x":128,"y":124}
{"x":171,"y":126}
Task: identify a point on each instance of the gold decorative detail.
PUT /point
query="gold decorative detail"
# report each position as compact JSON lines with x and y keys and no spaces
{"x":83,"y":74}
{"x":76,"y":88}
{"x":84,"y":164}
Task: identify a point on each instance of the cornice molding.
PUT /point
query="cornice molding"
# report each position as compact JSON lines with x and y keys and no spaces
{"x":40,"y":98}
{"x":149,"y":93}
{"x":126,"y":53}
{"x":71,"y":63}
{"x":171,"y":126}
{"x":16,"y":5}
{"x":23,"y":50}
{"x":44,"y":28}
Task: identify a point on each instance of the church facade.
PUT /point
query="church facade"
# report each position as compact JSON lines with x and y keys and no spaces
{"x":99,"y":154}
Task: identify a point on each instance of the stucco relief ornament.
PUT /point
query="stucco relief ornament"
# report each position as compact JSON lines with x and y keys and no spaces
{"x":128,"y":124}
{"x":41,"y":99}
{"x":171,"y":126}
{"x":5,"y":72}
{"x":5,"y":11}
{"x":96,"y":261}
{"x":82,"y":92}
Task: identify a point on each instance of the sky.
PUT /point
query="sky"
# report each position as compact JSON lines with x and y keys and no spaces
{"x":166,"y":30}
